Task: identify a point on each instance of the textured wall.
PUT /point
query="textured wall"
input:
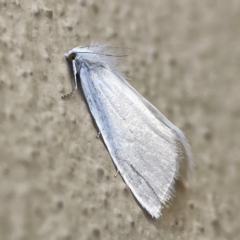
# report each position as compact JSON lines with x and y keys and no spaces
{"x":56,"y":179}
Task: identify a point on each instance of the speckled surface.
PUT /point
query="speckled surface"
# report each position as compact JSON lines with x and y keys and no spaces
{"x":56,"y":179}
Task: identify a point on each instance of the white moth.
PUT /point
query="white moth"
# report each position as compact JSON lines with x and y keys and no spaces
{"x":142,"y":142}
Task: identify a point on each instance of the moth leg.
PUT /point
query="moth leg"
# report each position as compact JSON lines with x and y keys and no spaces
{"x":75,"y":81}
{"x":98,"y":134}
{"x":116,"y":173}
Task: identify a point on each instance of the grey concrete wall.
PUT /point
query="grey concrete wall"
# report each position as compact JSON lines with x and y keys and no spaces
{"x":56,"y":179}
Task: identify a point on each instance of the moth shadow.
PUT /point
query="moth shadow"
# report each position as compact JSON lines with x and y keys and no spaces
{"x":173,"y":210}
{"x":83,"y":98}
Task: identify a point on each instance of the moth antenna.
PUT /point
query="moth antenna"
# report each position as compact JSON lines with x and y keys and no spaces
{"x":106,"y":46}
{"x":104,"y":54}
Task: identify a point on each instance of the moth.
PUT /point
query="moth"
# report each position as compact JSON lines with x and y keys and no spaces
{"x":144,"y":145}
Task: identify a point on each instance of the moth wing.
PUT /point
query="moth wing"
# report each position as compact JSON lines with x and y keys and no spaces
{"x":142,"y":146}
{"x":180,"y":135}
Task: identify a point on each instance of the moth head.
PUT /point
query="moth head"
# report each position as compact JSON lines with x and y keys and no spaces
{"x":71,"y":57}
